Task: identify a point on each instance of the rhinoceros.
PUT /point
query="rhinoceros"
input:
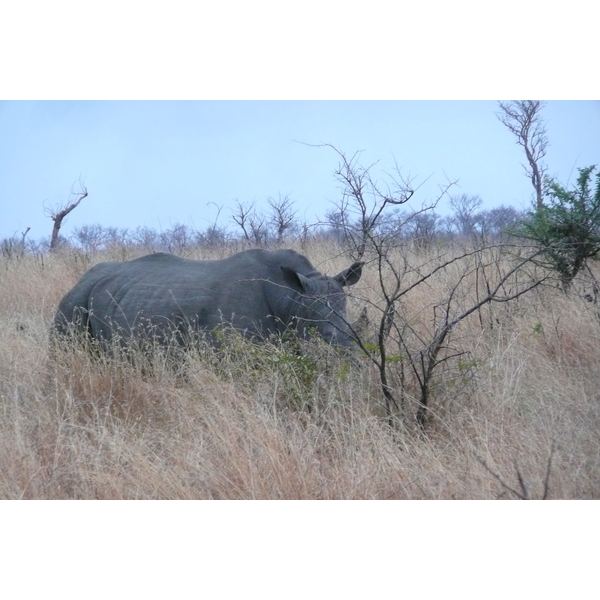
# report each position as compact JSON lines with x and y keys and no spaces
{"x":258,"y":292}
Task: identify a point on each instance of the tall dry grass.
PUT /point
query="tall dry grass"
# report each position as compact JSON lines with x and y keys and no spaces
{"x":268,"y":422}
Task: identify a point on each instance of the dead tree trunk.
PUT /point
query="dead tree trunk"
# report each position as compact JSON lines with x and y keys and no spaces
{"x":60,"y":213}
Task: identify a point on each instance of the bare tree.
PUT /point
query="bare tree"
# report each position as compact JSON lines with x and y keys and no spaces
{"x":500,"y":219}
{"x":146,"y":238}
{"x":282,"y":217}
{"x":410,"y":353}
{"x":335,"y":220}
{"x":523,"y":119}
{"x":179,"y":239}
{"x":404,"y":347}
{"x":212,"y":236}
{"x":422,"y":227}
{"x":12,"y":247}
{"x":241,"y":216}
{"x":90,"y":238}
{"x":259,"y":228}
{"x":464,"y":208}
{"x":252,"y":223}
{"x":59,"y":213}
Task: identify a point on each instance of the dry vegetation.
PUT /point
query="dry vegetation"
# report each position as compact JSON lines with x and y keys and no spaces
{"x":517,"y":414}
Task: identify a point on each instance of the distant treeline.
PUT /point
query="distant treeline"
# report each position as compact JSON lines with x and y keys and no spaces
{"x":279,"y":224}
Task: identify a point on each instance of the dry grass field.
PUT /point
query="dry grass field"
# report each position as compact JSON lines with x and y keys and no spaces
{"x":518,"y":413}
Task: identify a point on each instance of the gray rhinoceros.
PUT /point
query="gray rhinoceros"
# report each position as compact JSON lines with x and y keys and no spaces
{"x":258,"y":292}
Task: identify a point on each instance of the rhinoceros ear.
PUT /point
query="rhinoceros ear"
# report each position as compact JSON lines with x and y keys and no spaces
{"x":351,"y":275}
{"x":296,"y":280}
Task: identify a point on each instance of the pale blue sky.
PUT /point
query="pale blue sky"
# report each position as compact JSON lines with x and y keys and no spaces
{"x":159,"y":163}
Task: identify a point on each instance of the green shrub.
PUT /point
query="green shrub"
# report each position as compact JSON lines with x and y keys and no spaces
{"x":567,"y":226}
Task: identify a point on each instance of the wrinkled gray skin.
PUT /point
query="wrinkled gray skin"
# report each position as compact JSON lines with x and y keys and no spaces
{"x":259,"y":292}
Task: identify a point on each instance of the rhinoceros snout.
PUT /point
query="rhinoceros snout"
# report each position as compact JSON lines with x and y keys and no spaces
{"x":337,"y":337}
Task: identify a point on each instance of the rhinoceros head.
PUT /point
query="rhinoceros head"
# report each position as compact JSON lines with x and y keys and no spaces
{"x":320,"y":303}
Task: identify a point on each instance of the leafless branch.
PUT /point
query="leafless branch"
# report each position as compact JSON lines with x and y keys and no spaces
{"x":548,"y":468}
{"x":521,"y":495}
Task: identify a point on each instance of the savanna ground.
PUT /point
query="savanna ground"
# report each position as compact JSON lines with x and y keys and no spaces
{"x":517,"y":412}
